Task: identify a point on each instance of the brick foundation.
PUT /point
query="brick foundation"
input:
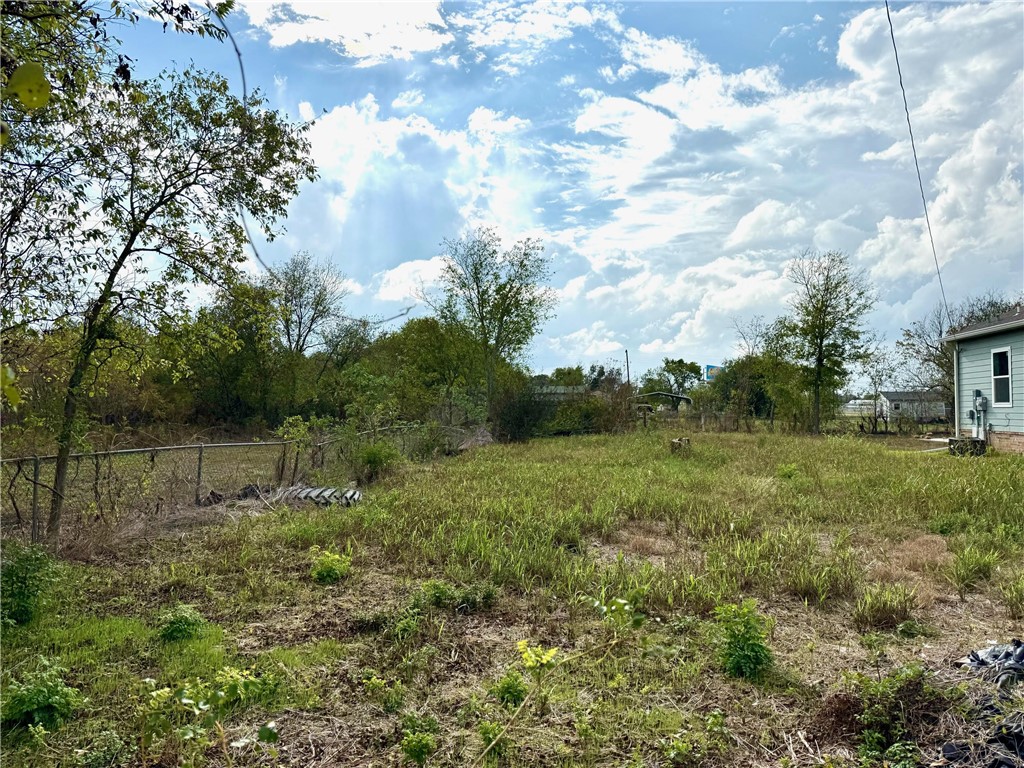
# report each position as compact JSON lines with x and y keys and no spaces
{"x":1007,"y":442}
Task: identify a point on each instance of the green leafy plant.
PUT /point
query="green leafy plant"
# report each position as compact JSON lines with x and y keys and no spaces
{"x":884,"y":606}
{"x":705,"y":741}
{"x":418,"y":746}
{"x":182,"y":622}
{"x":510,"y":690}
{"x":390,"y":697}
{"x":891,"y":712}
{"x":41,"y":698}
{"x":107,"y":750}
{"x":787,"y":471}
{"x":492,"y":735}
{"x":25,"y":575}
{"x":743,"y":651}
{"x":192,"y":714}
{"x":329,"y":567}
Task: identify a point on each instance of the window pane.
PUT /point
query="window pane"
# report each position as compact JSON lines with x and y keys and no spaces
{"x":1002,"y":390}
{"x":1000,"y":363}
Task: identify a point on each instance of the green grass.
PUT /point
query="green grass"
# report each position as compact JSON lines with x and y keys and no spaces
{"x":454,"y":562}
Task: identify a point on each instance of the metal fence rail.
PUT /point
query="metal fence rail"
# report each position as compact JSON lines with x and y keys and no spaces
{"x":102,"y":486}
{"x":105,"y":486}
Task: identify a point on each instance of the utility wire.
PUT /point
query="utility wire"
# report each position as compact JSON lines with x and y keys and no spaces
{"x":917,"y":166}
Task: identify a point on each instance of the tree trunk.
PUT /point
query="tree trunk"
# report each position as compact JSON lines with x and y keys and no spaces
{"x":65,"y":435}
{"x":95,"y":319}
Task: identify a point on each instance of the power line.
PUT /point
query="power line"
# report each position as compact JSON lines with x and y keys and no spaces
{"x":917,"y":166}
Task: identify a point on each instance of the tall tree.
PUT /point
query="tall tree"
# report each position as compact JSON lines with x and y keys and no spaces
{"x":312,"y":300}
{"x":498,"y":296}
{"x":827,"y":321}
{"x":929,"y":361}
{"x":72,"y":46}
{"x":169,"y":167}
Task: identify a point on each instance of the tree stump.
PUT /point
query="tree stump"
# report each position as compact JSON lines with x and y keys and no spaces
{"x":681,"y":446}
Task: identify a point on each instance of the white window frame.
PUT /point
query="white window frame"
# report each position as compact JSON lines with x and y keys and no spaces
{"x":1009,"y":375}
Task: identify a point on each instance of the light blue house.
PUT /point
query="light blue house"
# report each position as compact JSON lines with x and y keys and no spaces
{"x":988,"y":373}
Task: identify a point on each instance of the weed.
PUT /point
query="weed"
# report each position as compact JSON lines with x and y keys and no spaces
{"x":25,"y":575}
{"x":417,"y":747}
{"x":406,"y":627}
{"x":744,"y":652}
{"x":1012,"y":592}
{"x":107,"y":750}
{"x":706,"y":741}
{"x":491,"y":735}
{"x":182,"y":622}
{"x":469,"y":599}
{"x":884,"y":606}
{"x":510,"y":690}
{"x":390,"y":697}
{"x":42,"y":698}
{"x":787,"y":471}
{"x":191,"y":715}
{"x":416,"y":723}
{"x":971,"y":566}
{"x":329,"y":567}
{"x":893,"y":711}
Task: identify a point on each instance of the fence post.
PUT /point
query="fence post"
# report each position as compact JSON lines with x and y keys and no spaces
{"x":282,"y":463}
{"x":35,"y":499}
{"x":199,"y":475}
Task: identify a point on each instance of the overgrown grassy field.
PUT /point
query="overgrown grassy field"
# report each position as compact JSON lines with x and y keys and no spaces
{"x":392,"y":633}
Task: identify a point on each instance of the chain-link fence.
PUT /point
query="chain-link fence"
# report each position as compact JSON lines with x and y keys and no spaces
{"x":104,"y":488}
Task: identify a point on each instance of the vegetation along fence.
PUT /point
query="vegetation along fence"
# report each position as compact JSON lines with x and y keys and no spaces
{"x":103,"y":487}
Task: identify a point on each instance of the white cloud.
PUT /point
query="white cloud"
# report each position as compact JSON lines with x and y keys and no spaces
{"x":593,"y":341}
{"x":368,"y":31}
{"x":407,"y":281}
{"x":771,"y":221}
{"x":408,"y":99}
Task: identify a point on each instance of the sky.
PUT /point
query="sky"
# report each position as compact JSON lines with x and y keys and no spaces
{"x":672,"y":157}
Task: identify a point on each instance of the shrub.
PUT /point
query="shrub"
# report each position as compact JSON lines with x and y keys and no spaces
{"x":329,"y":567}
{"x":375,"y":460}
{"x":744,"y":652}
{"x":182,"y":622}
{"x":510,"y":690}
{"x":417,"y":747}
{"x":41,"y":698}
{"x":585,"y":415}
{"x":24,"y":576}
{"x":884,"y":606}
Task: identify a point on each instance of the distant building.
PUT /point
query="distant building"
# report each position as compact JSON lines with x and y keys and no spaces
{"x":920,"y":405}
{"x":859,"y":408}
{"x":988,"y":373}
{"x":559,"y":393}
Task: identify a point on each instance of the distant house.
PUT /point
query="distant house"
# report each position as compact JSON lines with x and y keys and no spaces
{"x":988,"y":373}
{"x":920,"y":405}
{"x":559,"y":393}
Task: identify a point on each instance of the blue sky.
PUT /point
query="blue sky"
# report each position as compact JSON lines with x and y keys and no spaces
{"x":671,"y":156}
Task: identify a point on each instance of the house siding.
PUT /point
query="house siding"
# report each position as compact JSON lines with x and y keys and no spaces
{"x":975,"y":372}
